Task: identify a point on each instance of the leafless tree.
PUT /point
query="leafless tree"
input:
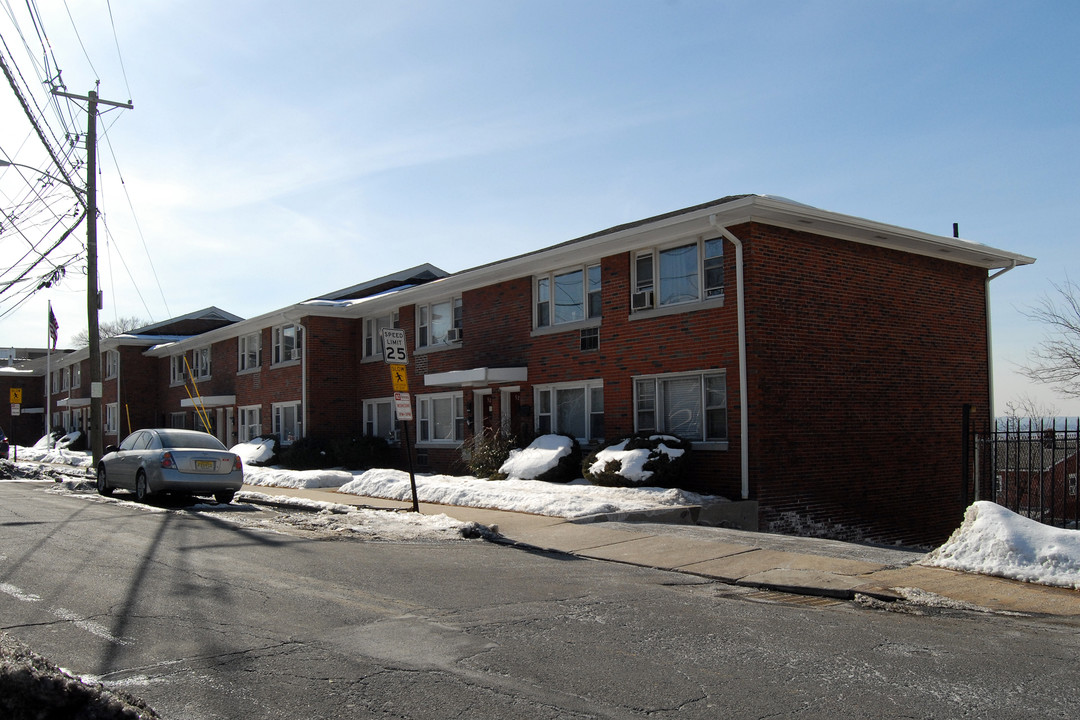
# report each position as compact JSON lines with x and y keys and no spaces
{"x":1056,"y":360}
{"x":108,"y":329}
{"x":1025,"y":412}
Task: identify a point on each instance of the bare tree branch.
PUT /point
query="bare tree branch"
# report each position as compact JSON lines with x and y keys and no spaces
{"x":1056,"y":360}
{"x":108,"y":330}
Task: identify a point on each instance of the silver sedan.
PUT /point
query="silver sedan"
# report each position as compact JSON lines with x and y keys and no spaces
{"x":167,"y":460}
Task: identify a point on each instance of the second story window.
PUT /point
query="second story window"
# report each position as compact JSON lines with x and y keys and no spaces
{"x":112,"y":363}
{"x":76,"y":376}
{"x":177,"y":370}
{"x":286,"y":343}
{"x":373,"y":328}
{"x":673,"y":275}
{"x":566,"y":297}
{"x":438,"y":323}
{"x":201,"y":363}
{"x":249,"y":351}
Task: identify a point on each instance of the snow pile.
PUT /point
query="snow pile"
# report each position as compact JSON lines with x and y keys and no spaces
{"x":995,"y":541}
{"x":570,"y":500}
{"x":277,"y":477}
{"x":58,"y":456}
{"x":543,"y":454}
{"x":255,"y":451}
{"x":372,"y":524}
{"x":631,"y":462}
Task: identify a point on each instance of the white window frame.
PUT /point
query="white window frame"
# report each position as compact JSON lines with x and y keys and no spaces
{"x":546,"y":303}
{"x":287,"y":434}
{"x":372,"y":426}
{"x":177,"y":369}
{"x":546,"y":401}
{"x":112,"y":364}
{"x":178,"y":417}
{"x":112,"y":416}
{"x":76,"y":375}
{"x":249,"y":423}
{"x":200,"y":363}
{"x":249,"y":352}
{"x":425,"y":337}
{"x":645,"y":269}
{"x":65,"y":379}
{"x":425,"y":430}
{"x":373,"y":326}
{"x":659,"y":406}
{"x":281,"y":349}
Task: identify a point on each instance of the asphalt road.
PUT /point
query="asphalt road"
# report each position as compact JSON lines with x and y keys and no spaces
{"x":205,"y":615}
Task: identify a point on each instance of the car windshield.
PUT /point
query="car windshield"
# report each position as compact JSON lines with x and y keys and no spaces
{"x":198,"y":440}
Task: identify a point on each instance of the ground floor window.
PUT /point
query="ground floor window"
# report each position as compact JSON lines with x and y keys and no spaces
{"x":178,"y":420}
{"x":690,"y":405}
{"x":287,"y":422}
{"x":575,"y":409}
{"x":250,"y":422}
{"x":112,"y":417}
{"x":379,"y":418}
{"x":441,"y":419}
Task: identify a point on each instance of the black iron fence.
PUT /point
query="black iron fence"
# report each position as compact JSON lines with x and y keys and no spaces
{"x":1030,"y":467}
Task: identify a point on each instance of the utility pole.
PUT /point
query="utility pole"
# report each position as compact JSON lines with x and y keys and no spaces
{"x":93,"y":295}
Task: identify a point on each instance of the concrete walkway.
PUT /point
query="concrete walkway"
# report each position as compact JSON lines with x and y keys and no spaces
{"x":807,"y":566}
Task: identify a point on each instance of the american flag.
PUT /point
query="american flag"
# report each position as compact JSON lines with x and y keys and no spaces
{"x":54,"y":327}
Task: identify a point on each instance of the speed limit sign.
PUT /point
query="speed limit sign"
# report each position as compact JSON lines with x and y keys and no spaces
{"x":394,"y":350}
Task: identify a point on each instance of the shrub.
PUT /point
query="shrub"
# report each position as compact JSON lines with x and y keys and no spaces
{"x":568,"y":467}
{"x":661,"y":469}
{"x":307,"y":453}
{"x":486,"y":452}
{"x":361,"y":453}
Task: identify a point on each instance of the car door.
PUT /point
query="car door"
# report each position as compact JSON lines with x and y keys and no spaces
{"x":121,"y":471}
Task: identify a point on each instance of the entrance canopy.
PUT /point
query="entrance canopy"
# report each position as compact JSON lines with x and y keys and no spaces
{"x":477,"y":377}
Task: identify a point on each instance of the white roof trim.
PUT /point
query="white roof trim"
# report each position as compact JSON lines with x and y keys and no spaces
{"x":73,"y":402}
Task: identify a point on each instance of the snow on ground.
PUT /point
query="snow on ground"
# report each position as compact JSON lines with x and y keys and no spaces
{"x":991,"y":540}
{"x":570,"y":500}
{"x":995,"y":541}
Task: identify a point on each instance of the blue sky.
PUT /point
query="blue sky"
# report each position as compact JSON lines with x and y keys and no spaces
{"x":279,"y":150}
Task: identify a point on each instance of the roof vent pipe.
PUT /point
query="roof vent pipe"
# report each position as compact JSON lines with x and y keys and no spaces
{"x":744,"y":411}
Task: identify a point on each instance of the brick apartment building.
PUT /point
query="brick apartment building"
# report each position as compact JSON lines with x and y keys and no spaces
{"x":819,"y":362}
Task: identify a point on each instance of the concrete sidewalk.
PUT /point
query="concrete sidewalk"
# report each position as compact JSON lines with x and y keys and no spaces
{"x":807,"y":566}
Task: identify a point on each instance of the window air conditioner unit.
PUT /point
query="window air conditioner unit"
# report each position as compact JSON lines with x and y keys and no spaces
{"x":453,"y":335}
{"x":642,"y":300}
{"x":295,"y":353}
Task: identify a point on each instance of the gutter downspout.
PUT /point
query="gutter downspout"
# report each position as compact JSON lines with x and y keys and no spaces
{"x":744,"y":420}
{"x":990,"y":337}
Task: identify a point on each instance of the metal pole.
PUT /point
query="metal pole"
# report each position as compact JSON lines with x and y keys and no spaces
{"x":412,"y":474}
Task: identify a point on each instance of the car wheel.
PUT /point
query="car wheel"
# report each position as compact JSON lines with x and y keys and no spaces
{"x":142,"y":490}
{"x":102,"y":484}
{"x":224,"y":497}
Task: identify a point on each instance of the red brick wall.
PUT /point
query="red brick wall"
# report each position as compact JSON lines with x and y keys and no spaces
{"x":860,"y":361}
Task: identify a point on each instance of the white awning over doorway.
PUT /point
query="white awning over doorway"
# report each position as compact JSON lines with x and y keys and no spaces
{"x":477,"y":377}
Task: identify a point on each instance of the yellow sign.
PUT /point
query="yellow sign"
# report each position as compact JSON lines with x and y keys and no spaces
{"x":399,"y":377}
{"x":16,"y":395}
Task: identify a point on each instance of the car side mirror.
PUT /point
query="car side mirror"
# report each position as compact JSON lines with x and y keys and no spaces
{"x":111,"y":448}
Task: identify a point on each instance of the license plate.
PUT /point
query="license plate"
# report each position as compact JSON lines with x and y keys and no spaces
{"x":204,"y":464}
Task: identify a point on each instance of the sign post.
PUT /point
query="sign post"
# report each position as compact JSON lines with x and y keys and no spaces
{"x":396,"y":355}
{"x":16,"y":410}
